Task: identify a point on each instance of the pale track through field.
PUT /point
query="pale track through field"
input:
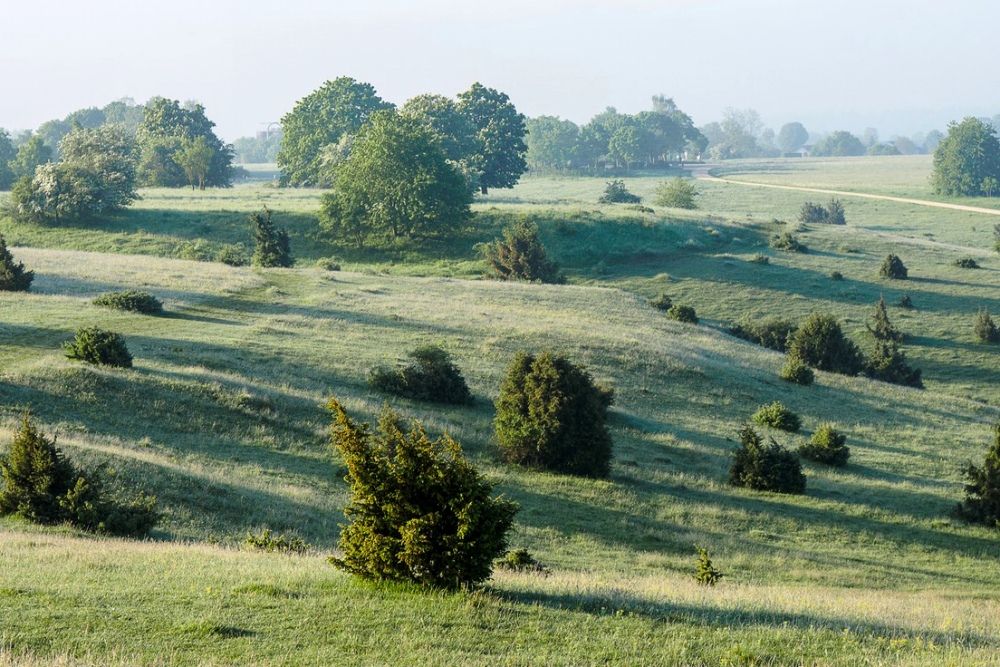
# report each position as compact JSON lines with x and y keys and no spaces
{"x":701,"y":172}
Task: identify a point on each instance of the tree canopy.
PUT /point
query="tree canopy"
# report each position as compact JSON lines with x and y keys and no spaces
{"x":501,"y":131}
{"x":792,"y":137}
{"x":839,"y":143}
{"x":396,"y":182}
{"x":966,"y":158}
{"x":339,"y":107}
{"x":165,"y":139}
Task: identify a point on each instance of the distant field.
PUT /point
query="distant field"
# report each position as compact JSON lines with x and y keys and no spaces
{"x":222,"y":419}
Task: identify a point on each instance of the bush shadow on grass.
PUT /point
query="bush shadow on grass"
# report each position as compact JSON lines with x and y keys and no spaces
{"x":614,"y":602}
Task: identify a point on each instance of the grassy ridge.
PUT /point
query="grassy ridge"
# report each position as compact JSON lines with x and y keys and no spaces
{"x":221,"y":417}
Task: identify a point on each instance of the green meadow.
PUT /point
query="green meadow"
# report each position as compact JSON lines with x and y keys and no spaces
{"x":222,"y":419}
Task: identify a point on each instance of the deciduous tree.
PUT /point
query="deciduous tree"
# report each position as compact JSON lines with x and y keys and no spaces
{"x":501,"y":131}
{"x":966,"y":158}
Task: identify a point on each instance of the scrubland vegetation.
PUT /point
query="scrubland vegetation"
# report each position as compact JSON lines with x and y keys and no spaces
{"x":222,"y":418}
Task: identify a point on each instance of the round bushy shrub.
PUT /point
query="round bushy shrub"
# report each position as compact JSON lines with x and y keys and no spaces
{"x":683,"y":314}
{"x":772,"y":332}
{"x":13,"y":277}
{"x":552,"y":415}
{"x":966,"y":263}
{"x":826,"y":446}
{"x":765,"y":467}
{"x":97,"y":346}
{"x":797,"y":372}
{"x":776,"y":415}
{"x":893,"y":268}
{"x":821,"y":344}
{"x":788,"y":242}
{"x":616,"y":193}
{"x":130,"y":300}
{"x":233,"y":254}
{"x":419,"y":510}
{"x":676,"y":193}
{"x":431,"y":376}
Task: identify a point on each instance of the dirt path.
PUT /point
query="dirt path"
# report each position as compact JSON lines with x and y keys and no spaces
{"x":701,"y":171}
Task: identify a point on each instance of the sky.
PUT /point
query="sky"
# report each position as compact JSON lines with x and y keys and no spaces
{"x":900,"y":66}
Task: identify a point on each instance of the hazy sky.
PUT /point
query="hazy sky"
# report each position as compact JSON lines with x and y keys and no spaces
{"x":901,"y":66}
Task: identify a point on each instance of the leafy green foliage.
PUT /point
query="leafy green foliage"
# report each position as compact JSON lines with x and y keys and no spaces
{"x":839,"y":143}
{"x":706,"y":574}
{"x":97,"y":346}
{"x":30,"y":155}
{"x":41,"y":485}
{"x":7,"y":154}
{"x":772,"y":332}
{"x":682,"y":313}
{"x":13,"y":277}
{"x":271,"y":543}
{"x":985,"y":329}
{"x":96,"y":176}
{"x":178,"y":147}
{"x":616,"y":193}
{"x":765,"y":467}
{"x":965,"y":158}
{"x":676,"y":193}
{"x":500,"y":131}
{"x":520,"y":255}
{"x":982,"y":488}
{"x":796,"y":372}
{"x":431,"y":376}
{"x":322,"y":118}
{"x":788,"y":242}
{"x":827,"y":445}
{"x":397,"y":181}
{"x":776,"y":415}
{"x":820,"y":343}
{"x":131,"y":300}
{"x":233,"y":254}
{"x":270,"y":243}
{"x":419,"y":510}
{"x":552,"y":415}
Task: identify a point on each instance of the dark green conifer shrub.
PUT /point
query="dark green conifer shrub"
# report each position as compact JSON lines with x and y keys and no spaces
{"x":966,"y":263}
{"x":776,"y":415}
{"x":706,"y":574}
{"x":788,"y":242}
{"x":36,"y":477}
{"x":772,"y":332}
{"x":826,"y":446}
{"x":886,"y":362}
{"x":836,"y":275}
{"x":797,"y":372}
{"x":820,"y":343}
{"x":13,"y":277}
{"x":520,"y":256}
{"x":271,"y":247}
{"x":811,"y":212}
{"x":982,"y":488}
{"x":906,"y":302}
{"x":419,"y":511}
{"x":662,"y":302}
{"x":881,"y":328}
{"x":765,"y":467}
{"x":41,"y":485}
{"x":520,"y":560}
{"x":985,"y":329}
{"x":552,"y":415}
{"x":431,"y":376}
{"x":271,"y":543}
{"x":616,"y":193}
{"x":835,"y":213}
{"x":131,"y":300}
{"x":97,"y":346}
{"x":893,"y":268}
{"x":683,"y":314}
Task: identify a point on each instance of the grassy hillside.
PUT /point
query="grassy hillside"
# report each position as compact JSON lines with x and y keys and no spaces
{"x":222,"y":419}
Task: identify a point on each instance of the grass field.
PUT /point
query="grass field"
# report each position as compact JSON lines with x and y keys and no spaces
{"x":222,"y":419}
